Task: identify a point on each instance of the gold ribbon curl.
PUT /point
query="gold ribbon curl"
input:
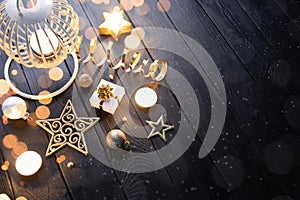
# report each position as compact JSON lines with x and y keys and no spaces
{"x":90,"y":56}
{"x":135,"y":59}
{"x":133,"y":65}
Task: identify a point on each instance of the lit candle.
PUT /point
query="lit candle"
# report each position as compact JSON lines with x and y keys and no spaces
{"x":28,"y":163}
{"x":145,"y":97}
{"x":45,"y":41}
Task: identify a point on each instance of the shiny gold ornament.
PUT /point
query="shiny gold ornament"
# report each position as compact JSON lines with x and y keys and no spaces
{"x":155,"y":132}
{"x":70,"y":164}
{"x":114,"y":24}
{"x":117,"y":139}
{"x":68,"y":129}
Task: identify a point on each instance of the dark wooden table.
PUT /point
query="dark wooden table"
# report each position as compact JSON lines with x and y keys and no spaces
{"x":254,"y":45}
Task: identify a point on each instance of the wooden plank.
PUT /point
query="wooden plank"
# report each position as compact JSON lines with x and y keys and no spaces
{"x":125,"y":178}
{"x":5,"y":186}
{"x":86,"y":169}
{"x":92,"y":10}
{"x":195,"y":11}
{"x":249,"y":39}
{"x":191,"y":28}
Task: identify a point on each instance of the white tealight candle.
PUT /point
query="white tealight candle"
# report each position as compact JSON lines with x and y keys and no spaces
{"x":28,"y":163}
{"x":145,"y":97}
{"x":45,"y":41}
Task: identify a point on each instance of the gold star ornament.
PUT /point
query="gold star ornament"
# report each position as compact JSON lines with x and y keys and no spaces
{"x":155,"y":132}
{"x":68,"y":129}
{"x":114,"y":24}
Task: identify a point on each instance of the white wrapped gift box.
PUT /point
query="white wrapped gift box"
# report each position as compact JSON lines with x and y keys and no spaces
{"x":111,"y":105}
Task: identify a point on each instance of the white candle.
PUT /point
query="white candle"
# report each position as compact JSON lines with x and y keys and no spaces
{"x":28,"y":163}
{"x":45,"y":41}
{"x":145,"y":97}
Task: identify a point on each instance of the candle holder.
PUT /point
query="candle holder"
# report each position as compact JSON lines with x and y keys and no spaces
{"x":39,"y":36}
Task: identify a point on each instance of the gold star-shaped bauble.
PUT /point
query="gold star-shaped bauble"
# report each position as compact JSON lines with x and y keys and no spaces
{"x":68,"y":129}
{"x":155,"y":132}
{"x":114,"y":24}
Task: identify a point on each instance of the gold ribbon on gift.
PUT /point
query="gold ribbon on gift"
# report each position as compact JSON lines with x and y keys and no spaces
{"x":105,"y":93}
{"x":153,"y":72}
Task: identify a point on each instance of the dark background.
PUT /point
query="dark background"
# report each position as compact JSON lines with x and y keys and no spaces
{"x":255,"y":44}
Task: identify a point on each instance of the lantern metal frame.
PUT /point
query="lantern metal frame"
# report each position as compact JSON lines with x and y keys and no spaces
{"x":38,"y":37}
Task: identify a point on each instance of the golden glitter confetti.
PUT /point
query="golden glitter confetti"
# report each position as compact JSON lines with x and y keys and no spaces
{"x":164,"y":5}
{"x":19,"y":148}
{"x":56,"y":73}
{"x":124,"y":119}
{"x":70,"y":164}
{"x":9,"y":141}
{"x":42,"y":112}
{"x":60,"y":159}
{"x":126,"y":5}
{"x":5,"y":166}
{"x":137,"y":3}
{"x":132,"y":41}
{"x":44,"y":101}
{"x":14,"y":72}
{"x":4,"y":88}
{"x":111,"y":77}
{"x":4,"y":120}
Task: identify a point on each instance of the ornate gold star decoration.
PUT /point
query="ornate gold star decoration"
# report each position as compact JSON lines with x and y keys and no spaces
{"x":114,"y":24}
{"x":68,"y":129}
{"x":154,"y":130}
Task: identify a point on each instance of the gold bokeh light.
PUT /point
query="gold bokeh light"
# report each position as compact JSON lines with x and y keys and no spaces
{"x":9,"y":141}
{"x":56,"y":73}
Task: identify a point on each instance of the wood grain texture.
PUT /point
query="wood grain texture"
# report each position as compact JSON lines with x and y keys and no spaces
{"x":255,"y":46}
